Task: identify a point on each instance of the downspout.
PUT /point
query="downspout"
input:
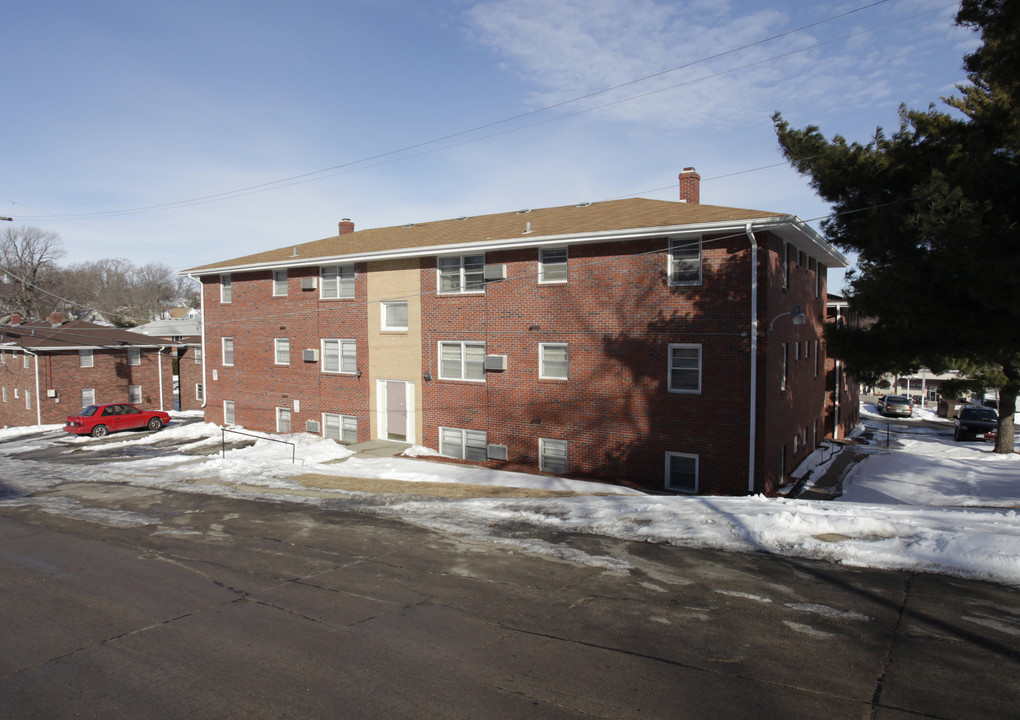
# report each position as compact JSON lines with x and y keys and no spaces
{"x":159,"y":356}
{"x":38,"y":401}
{"x":751,"y":434}
{"x":835,"y":395}
{"x":201,"y":300}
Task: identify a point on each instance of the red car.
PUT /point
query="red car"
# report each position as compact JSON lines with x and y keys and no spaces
{"x":101,"y":420}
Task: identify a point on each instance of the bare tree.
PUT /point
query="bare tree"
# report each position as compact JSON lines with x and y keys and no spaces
{"x":28,"y":258}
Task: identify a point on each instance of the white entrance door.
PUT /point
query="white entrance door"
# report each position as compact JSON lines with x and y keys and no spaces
{"x":397,"y":423}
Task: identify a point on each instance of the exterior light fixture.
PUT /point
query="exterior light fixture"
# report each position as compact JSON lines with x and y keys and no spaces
{"x":798,"y":317}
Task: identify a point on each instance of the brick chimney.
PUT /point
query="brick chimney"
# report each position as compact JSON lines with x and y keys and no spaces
{"x":690,"y":186}
{"x":56,"y":318}
{"x":15,"y":319}
{"x":346,"y":226}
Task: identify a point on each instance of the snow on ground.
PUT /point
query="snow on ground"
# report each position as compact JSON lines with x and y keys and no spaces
{"x":924,"y":503}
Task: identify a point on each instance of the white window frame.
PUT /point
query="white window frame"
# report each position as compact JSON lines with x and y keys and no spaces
{"x":346,"y":427}
{"x":463,"y":443}
{"x":227,"y":354}
{"x":86,"y":359}
{"x":336,"y":282}
{"x":229,"y":412}
{"x":24,"y":361}
{"x":199,"y":392}
{"x":135,"y":394}
{"x":198,"y":355}
{"x":553,"y":456}
{"x":385,"y":319}
{"x":281,"y":351}
{"x":784,"y":375}
{"x":684,"y":456}
{"x":3,"y":390}
{"x":134,"y":356}
{"x":346,"y":356}
{"x":88,"y":397}
{"x":17,"y":393}
{"x":786,"y":266}
{"x":28,"y":399}
{"x":466,"y":278}
{"x":550,"y":271}
{"x":683,"y":346}
{"x":816,"y":358}
{"x":543,"y":370}
{"x":226,"y":289}
{"x":280,"y":283}
{"x":281,"y":414}
{"x":462,"y":360}
{"x":685,"y":246}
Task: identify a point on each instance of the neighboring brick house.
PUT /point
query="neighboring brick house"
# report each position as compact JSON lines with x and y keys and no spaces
{"x":842,"y":392}
{"x":49,"y":370}
{"x":655,"y":343}
{"x":184,"y":334}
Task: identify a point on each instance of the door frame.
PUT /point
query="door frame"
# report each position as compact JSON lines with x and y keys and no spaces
{"x":380,"y":396}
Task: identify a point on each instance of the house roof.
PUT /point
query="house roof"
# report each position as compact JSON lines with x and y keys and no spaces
{"x":72,"y":335}
{"x":178,"y":313}
{"x":170,"y":328}
{"x":615,"y":219}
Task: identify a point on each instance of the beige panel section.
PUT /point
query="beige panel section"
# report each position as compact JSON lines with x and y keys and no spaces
{"x":394,"y":355}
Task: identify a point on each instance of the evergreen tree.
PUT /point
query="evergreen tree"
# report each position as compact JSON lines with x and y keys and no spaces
{"x":932,"y":213}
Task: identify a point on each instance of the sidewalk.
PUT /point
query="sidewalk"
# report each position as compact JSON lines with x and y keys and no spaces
{"x":830,"y":484}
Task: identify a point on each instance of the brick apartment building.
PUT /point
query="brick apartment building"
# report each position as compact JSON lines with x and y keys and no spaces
{"x":674,"y":346}
{"x":51,"y":369}
{"x":842,"y":393}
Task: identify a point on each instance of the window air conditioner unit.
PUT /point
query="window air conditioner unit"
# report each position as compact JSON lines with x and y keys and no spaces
{"x":309,"y":283}
{"x":495,"y":452}
{"x":312,"y":426}
{"x":51,"y":393}
{"x":310,"y":355}
{"x":495,"y":362}
{"x":495,"y":272}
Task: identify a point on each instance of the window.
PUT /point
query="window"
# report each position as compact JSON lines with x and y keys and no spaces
{"x":819,"y":279}
{"x":785,"y":371}
{"x":462,"y":360}
{"x":134,"y":394}
{"x":552,"y":265}
{"x":226,"y":290}
{"x":461,"y":274}
{"x":279,"y":282}
{"x":463,"y":444}
{"x":787,"y":251}
{"x":816,"y":358}
{"x":282,"y":420}
{"x":228,"y":351}
{"x":685,"y":261}
{"x":342,"y":428}
{"x":198,"y":355}
{"x":336,"y":281}
{"x":85,"y":359}
{"x":17,"y":393}
{"x":228,"y":412}
{"x":88,"y":397}
{"x":28,"y":399}
{"x":339,"y":356}
{"x":24,"y":360}
{"x":134,"y":356}
{"x":4,"y":393}
{"x":199,"y":394}
{"x":796,"y":351}
{"x":3,"y":357}
{"x":553,"y":361}
{"x":281,"y":348}
{"x":394,"y":316}
{"x":552,"y":456}
{"x":685,"y":368}
{"x":681,"y":472}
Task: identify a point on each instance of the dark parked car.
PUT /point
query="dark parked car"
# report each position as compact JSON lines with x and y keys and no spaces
{"x":975,"y":421}
{"x":895,"y":405}
{"x":101,"y":420}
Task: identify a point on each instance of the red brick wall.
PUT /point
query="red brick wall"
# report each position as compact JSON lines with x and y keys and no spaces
{"x":618,"y":315}
{"x":189,"y":375}
{"x":258,"y":386}
{"x":110,"y":376}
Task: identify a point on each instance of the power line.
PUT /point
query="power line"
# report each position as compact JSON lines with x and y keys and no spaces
{"x":349,"y":166}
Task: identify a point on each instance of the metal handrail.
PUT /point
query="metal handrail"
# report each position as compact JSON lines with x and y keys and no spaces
{"x":223,"y":443}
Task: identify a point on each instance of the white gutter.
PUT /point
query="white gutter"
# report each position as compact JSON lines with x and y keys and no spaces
{"x":798,"y":233}
{"x":159,"y":360}
{"x":205,"y":387}
{"x":38,"y":400}
{"x":838,"y":373}
{"x":754,"y":359}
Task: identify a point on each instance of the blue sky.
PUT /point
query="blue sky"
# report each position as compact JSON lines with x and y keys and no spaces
{"x":130,"y":128}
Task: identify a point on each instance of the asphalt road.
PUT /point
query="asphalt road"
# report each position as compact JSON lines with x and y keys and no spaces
{"x":157,"y":604}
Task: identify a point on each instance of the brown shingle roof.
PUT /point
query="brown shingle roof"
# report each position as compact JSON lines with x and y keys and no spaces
{"x":76,"y":333}
{"x":613,"y":215}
